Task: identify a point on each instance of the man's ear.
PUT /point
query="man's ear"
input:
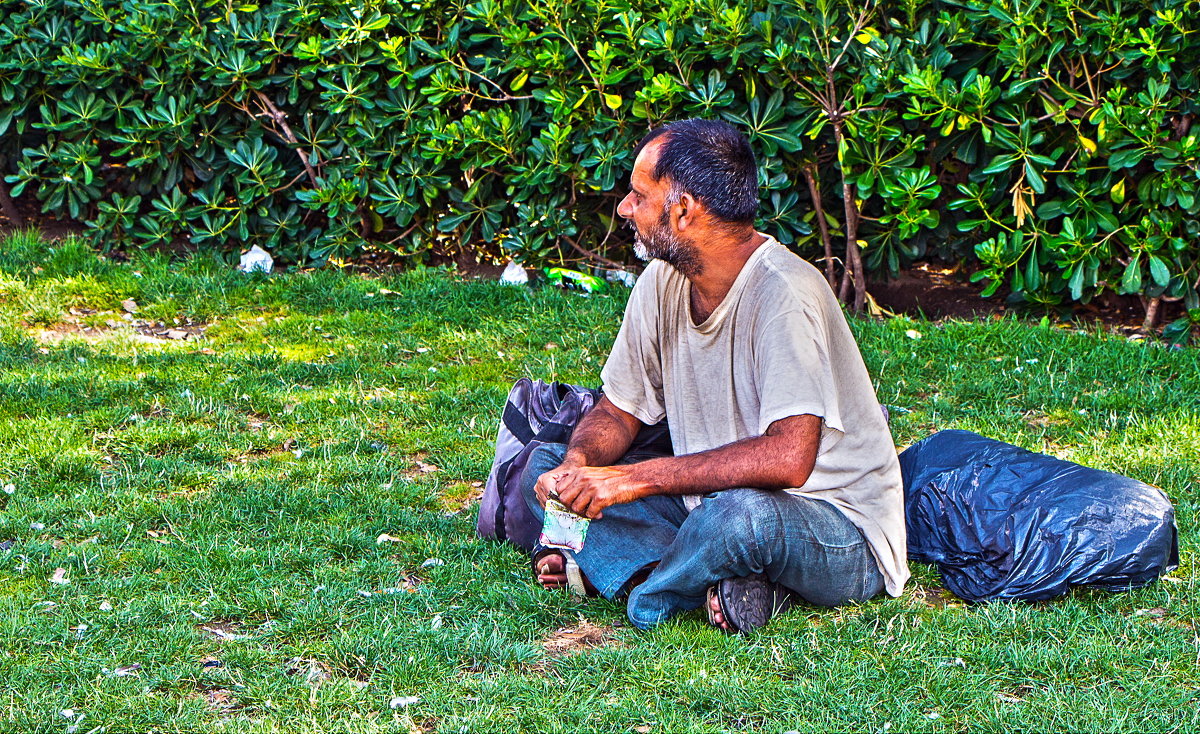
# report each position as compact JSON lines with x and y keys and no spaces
{"x":686,"y":212}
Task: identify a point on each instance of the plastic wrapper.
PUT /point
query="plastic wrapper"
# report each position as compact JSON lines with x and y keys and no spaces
{"x":1001,"y":522}
{"x":562,"y":528}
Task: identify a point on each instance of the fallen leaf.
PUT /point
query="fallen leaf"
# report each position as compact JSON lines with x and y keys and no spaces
{"x":222,"y":634}
{"x":130,"y":305}
{"x":426,"y":468}
{"x":642,"y":729}
{"x":59,"y":576}
{"x":176,"y":334}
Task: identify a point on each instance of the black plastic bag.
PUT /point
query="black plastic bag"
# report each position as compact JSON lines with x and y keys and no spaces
{"x":1001,"y":522}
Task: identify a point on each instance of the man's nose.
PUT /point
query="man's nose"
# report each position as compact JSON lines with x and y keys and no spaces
{"x":625,"y":208}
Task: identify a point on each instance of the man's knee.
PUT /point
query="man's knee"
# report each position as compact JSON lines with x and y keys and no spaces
{"x":541,"y":460}
{"x":739,"y":515}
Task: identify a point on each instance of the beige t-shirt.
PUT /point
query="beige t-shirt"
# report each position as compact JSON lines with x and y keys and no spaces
{"x":777,"y":346}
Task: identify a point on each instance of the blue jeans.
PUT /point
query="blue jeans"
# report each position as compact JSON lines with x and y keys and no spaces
{"x":805,"y":544}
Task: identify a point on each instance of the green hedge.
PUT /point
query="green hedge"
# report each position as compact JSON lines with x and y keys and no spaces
{"x":1052,"y":140}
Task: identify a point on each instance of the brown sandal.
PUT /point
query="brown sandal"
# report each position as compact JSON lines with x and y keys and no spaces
{"x":749,"y":602}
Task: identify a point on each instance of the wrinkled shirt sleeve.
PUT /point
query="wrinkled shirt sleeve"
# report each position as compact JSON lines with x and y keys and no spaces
{"x":632,"y":375}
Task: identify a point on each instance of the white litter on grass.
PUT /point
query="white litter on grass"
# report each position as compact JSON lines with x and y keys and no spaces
{"x":514,"y":274}
{"x":37,"y":526}
{"x":221,"y":634}
{"x":256,"y":258}
{"x":385,"y":538}
{"x":400,"y":702}
{"x":431,"y":562}
{"x":59,"y":576}
{"x":913,"y":334}
{"x":10,"y":488}
{"x":624,"y":277}
{"x":105,"y":606}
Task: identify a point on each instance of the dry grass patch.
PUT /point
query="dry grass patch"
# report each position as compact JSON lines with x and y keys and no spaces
{"x":577,"y":638}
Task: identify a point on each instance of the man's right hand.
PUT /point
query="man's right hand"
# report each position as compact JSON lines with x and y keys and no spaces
{"x":547,"y":483}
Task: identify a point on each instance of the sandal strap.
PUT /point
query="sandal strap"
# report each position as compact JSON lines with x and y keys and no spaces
{"x":574,"y":576}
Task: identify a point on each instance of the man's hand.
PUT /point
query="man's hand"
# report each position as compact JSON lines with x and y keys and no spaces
{"x":587,"y":490}
{"x":547,"y":484}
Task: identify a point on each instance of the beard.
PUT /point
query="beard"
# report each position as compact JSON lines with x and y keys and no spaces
{"x":660,"y":243}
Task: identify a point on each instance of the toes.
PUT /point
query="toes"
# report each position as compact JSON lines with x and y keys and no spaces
{"x":552,"y":580}
{"x":552,"y":564}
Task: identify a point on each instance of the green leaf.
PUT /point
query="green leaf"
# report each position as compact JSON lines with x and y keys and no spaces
{"x":1034,"y":179}
{"x":1131,"y":282}
{"x":1075,"y":283}
{"x":1001,"y":163}
{"x":1125,"y":158}
{"x":1117,"y":192}
{"x":1159,"y":271}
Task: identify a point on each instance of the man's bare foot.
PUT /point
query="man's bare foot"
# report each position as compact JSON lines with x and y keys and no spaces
{"x":551,"y":571}
{"x":718,"y":619}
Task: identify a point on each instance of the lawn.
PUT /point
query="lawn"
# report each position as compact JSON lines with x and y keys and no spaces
{"x":260,"y":491}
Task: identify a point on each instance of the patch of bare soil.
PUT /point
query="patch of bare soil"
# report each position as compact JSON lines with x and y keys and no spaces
{"x":577,"y":638}
{"x":79,"y":323}
{"x":32,"y":216}
{"x":940,"y":291}
{"x":933,"y":596}
{"x":221,"y":699}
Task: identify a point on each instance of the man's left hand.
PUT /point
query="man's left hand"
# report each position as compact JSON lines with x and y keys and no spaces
{"x":587,"y":490}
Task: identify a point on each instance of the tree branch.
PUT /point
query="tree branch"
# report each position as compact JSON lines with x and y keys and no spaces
{"x":280,"y":119}
{"x":814,"y":190}
{"x":594,"y":255}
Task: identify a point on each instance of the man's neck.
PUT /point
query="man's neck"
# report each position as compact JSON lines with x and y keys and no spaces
{"x":721,"y":260}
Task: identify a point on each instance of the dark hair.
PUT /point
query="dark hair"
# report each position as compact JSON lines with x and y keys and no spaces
{"x":712,"y":161}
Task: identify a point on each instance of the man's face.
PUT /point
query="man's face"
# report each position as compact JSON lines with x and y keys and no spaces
{"x":647,"y":210}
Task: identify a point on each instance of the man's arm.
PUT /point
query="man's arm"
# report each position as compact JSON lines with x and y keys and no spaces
{"x":782,"y":457}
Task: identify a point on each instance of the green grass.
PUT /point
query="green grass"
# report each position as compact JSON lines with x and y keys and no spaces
{"x":240,"y":483}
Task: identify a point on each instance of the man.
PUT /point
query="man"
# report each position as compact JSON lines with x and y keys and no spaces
{"x":785,"y":482}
